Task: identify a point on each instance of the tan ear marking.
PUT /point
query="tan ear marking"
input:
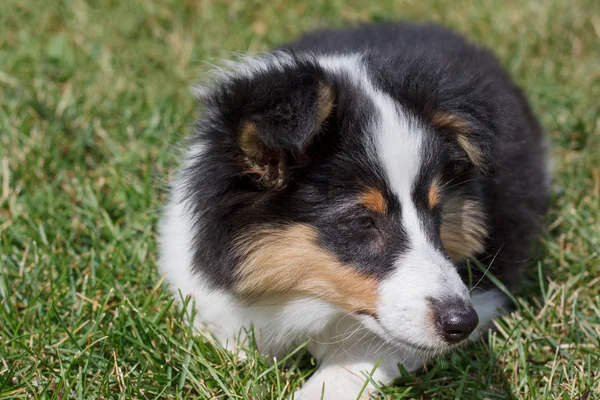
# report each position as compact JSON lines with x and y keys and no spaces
{"x":256,"y":160}
{"x":444,"y":119}
{"x":268,"y":166}
{"x":463,"y":230}
{"x":249,"y":142}
{"x":288,"y":261}
{"x":472,"y":151}
{"x":374,"y":200}
{"x":325,"y":99}
{"x":462,"y":129}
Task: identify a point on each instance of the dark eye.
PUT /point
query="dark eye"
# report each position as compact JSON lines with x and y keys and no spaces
{"x":365,"y":222}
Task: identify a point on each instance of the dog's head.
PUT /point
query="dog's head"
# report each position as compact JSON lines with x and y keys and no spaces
{"x":312,"y":178}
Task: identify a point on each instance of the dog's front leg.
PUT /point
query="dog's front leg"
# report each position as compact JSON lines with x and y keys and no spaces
{"x":349,"y":368}
{"x":342,"y":381}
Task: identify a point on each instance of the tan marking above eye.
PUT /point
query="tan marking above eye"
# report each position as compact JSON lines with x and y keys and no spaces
{"x":374,"y":200}
{"x":463,"y":230}
{"x":288,"y":262}
{"x":433,"y":196}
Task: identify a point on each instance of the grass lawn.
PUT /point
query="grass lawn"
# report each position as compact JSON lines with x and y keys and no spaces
{"x":94,"y":95}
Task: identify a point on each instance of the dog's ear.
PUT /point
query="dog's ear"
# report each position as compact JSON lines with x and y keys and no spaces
{"x":469,"y":141}
{"x":275,"y":136}
{"x":275,"y":116}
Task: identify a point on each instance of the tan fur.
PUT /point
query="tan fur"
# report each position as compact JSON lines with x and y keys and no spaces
{"x":462,"y":129}
{"x":374,"y":200}
{"x":249,"y":142}
{"x":268,"y":176}
{"x":444,"y":119}
{"x":472,"y":151}
{"x":325,"y":101}
{"x":289,"y":261}
{"x":433,"y":196}
{"x":273,"y":176}
{"x":463,"y":229}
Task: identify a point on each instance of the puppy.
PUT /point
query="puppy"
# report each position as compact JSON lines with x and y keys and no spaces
{"x":335,"y":190}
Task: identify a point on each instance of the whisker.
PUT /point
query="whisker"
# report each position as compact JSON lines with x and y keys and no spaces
{"x":459,"y":183}
{"x":445,"y":185}
{"x":487,"y":269}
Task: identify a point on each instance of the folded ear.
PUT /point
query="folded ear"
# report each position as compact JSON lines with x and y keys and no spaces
{"x":278,"y":116}
{"x":471,"y":141}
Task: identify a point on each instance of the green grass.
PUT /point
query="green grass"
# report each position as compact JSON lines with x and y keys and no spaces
{"x":93,"y":96}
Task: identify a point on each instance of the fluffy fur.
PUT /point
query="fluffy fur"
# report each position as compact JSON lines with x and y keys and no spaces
{"x":335,"y":188}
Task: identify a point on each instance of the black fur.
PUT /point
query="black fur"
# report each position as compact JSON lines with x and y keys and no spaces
{"x":425,"y":68}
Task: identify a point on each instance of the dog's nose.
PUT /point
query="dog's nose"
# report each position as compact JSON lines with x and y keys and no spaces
{"x":456,"y":322}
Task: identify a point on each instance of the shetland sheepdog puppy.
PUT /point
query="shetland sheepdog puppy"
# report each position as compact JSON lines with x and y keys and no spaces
{"x":338,"y":190}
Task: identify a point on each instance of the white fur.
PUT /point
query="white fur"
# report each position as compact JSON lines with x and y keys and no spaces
{"x":347,"y":347}
{"x":246,"y":66}
{"x":423,"y":272}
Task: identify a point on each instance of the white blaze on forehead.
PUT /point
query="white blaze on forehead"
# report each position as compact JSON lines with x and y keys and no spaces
{"x":399,"y":150}
{"x":422,"y":271}
{"x":397,"y":142}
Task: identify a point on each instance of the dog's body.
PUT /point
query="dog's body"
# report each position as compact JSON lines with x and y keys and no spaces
{"x":335,"y":189}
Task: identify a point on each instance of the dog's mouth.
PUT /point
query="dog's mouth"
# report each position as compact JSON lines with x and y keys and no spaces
{"x":415,"y":346}
{"x":430,"y":350}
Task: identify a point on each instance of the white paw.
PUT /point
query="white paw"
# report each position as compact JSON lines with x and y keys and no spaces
{"x":316,"y":392}
{"x":334,"y":383}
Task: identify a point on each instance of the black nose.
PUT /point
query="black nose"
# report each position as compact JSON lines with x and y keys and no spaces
{"x":457,"y":323}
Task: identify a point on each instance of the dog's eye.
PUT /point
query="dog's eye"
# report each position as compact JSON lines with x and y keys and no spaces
{"x":365,"y":222}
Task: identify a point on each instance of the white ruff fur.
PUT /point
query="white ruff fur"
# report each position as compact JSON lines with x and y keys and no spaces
{"x":347,"y":347}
